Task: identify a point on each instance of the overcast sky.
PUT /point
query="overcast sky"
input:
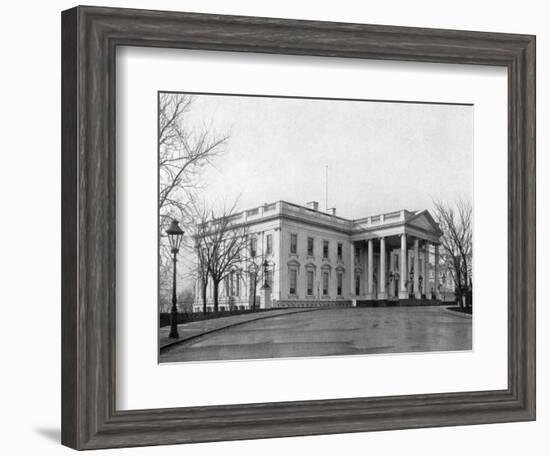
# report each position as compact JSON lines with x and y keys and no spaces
{"x":381,"y":156}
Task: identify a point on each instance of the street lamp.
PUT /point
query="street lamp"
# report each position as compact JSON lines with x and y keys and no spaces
{"x":175,"y":235}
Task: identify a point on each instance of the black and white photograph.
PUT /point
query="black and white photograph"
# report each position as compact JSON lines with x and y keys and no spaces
{"x":275,"y":228}
{"x":306,"y":227}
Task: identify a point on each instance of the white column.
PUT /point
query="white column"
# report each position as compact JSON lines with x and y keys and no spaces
{"x":395,"y":285}
{"x":352,"y":271}
{"x":416,"y":279}
{"x":436,"y":271}
{"x":274,"y":266}
{"x":364,"y":278}
{"x":382,"y":270}
{"x":425,"y":270}
{"x":403,"y":294}
{"x":370,"y":269}
{"x":390,"y":270}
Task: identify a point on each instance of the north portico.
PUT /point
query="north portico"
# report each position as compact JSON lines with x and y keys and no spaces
{"x":395,"y":257}
{"x":318,"y":259}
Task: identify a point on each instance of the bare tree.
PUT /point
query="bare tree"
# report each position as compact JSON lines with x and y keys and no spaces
{"x":200,"y":235}
{"x":222,"y":242}
{"x":183,"y":151}
{"x":456,"y":223}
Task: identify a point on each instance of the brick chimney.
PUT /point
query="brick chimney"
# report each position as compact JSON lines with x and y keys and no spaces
{"x":331,"y":210}
{"x":313,"y":205}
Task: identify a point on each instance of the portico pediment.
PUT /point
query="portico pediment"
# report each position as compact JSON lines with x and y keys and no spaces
{"x":425,"y":222}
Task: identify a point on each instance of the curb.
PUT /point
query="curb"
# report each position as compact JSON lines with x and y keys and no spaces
{"x":230,"y":325}
{"x":460,"y":314}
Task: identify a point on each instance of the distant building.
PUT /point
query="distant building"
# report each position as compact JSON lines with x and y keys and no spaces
{"x":316,"y":258}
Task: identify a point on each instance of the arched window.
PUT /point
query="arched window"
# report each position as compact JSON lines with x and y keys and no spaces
{"x":293,"y":280}
{"x":310,"y":278}
{"x":339,"y":282}
{"x":293,"y":268}
{"x":325,"y":282}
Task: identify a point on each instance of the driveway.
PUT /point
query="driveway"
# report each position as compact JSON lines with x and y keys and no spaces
{"x":348,"y":331}
{"x":198,"y":328}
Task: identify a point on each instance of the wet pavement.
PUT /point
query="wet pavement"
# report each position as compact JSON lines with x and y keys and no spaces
{"x":348,"y":331}
{"x":197,"y":328}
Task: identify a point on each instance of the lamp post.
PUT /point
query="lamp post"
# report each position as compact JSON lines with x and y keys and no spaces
{"x":442,"y":283}
{"x":265,"y":299}
{"x":175,"y":235}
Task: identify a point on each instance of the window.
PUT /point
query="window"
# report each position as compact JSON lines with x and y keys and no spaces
{"x":325,"y":283}
{"x":310,"y":283}
{"x":339,"y":280}
{"x":357,"y":285}
{"x":309,"y":246}
{"x":339,"y":251}
{"x":293,"y":243}
{"x":293,"y":280}
{"x":325,"y":249}
{"x":238,"y":285}
{"x":253,"y":246}
{"x":269,"y":244}
{"x":357,"y":253}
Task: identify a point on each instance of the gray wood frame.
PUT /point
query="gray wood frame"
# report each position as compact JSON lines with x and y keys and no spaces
{"x":89,"y":38}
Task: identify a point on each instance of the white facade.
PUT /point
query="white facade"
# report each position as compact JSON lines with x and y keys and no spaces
{"x":319,"y":259}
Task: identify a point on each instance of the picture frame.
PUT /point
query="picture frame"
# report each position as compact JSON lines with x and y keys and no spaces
{"x":90,"y":36}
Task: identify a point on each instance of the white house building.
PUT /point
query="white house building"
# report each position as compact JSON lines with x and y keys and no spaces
{"x":316,"y":258}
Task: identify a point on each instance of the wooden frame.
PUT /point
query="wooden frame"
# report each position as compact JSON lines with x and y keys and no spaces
{"x":89,"y":38}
